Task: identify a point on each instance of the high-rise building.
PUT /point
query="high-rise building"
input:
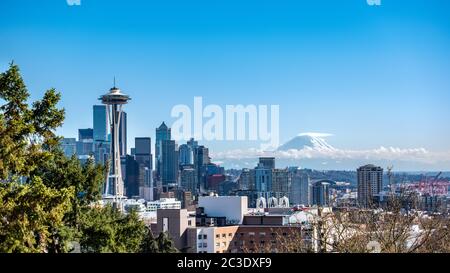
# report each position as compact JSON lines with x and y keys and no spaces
{"x":247,"y":180}
{"x":169,"y":163}
{"x":263,"y":179}
{"x":186,"y":155}
{"x":370,"y":183}
{"x":85,"y":143}
{"x":192,"y":143}
{"x":143,"y":155}
{"x":100,"y":119}
{"x":162,"y":133}
{"x":102,"y":144}
{"x":85,"y":135}
{"x":280,"y":182}
{"x":131,"y":176}
{"x":123,"y":134}
{"x":85,"y":147}
{"x":201,"y":160}
{"x":300,"y":188}
{"x":102,"y":150}
{"x":320,"y":193}
{"x":69,"y":146}
{"x":143,"y":151}
{"x":267,"y":162}
{"x":189,"y":180}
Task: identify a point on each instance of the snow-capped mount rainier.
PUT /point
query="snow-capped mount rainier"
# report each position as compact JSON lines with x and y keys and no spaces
{"x":308,"y":141}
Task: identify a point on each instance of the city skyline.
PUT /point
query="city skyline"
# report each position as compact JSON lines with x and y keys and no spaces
{"x":369,"y":78}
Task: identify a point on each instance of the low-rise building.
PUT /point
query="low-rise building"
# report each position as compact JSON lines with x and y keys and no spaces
{"x":164,"y":203}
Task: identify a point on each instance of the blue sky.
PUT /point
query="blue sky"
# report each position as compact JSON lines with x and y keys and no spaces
{"x":370,"y":76}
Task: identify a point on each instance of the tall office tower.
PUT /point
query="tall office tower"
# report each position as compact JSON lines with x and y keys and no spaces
{"x":100,"y":119}
{"x":300,"y":189}
{"x":187,"y":152}
{"x":147,"y":191}
{"x":143,"y":155}
{"x":85,"y":148}
{"x":263,"y":179}
{"x":189,"y":180}
{"x":280,"y":182}
{"x":114,"y":100}
{"x":169,"y":163}
{"x":186,"y":155}
{"x":102,"y":150}
{"x":123,"y":134}
{"x":320,"y":194}
{"x":143,"y":151}
{"x":131,"y":175}
{"x":370,"y":183}
{"x":192,"y":143}
{"x":267,"y":162}
{"x":85,"y":143}
{"x":247,"y":180}
{"x":85,"y":134}
{"x":162,"y":133}
{"x":201,"y":160}
{"x":69,"y":146}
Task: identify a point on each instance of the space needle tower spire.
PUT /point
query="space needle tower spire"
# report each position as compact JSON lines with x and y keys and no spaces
{"x":114,"y":101}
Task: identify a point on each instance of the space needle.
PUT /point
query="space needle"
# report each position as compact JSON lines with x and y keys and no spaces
{"x":114,"y":101}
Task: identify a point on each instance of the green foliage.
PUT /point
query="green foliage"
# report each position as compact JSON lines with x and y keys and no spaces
{"x":165,"y":244}
{"x":162,"y":244}
{"x":26,"y":134}
{"x":31,"y":215}
{"x":106,"y":230}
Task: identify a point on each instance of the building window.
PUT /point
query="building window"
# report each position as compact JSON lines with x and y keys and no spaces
{"x":205,"y":237}
{"x":190,"y":223}
{"x":262,"y":234}
{"x":199,"y":236}
{"x":205,"y":245}
{"x":200,"y":245}
{"x":230,"y":235}
{"x":251,"y":234}
{"x":218,"y":244}
{"x":217,"y":236}
{"x":224,"y":235}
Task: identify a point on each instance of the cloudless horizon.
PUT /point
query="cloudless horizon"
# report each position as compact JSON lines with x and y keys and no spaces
{"x":369,"y":75}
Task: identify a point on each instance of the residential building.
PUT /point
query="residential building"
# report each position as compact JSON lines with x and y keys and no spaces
{"x":370,"y":183}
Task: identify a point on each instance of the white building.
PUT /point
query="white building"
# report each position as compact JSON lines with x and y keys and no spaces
{"x":164,"y":203}
{"x":232,"y":207}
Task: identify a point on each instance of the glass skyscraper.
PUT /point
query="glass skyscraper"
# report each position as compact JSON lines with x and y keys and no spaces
{"x":123,"y":134}
{"x":162,"y":133}
{"x":100,"y":123}
{"x":169,"y":163}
